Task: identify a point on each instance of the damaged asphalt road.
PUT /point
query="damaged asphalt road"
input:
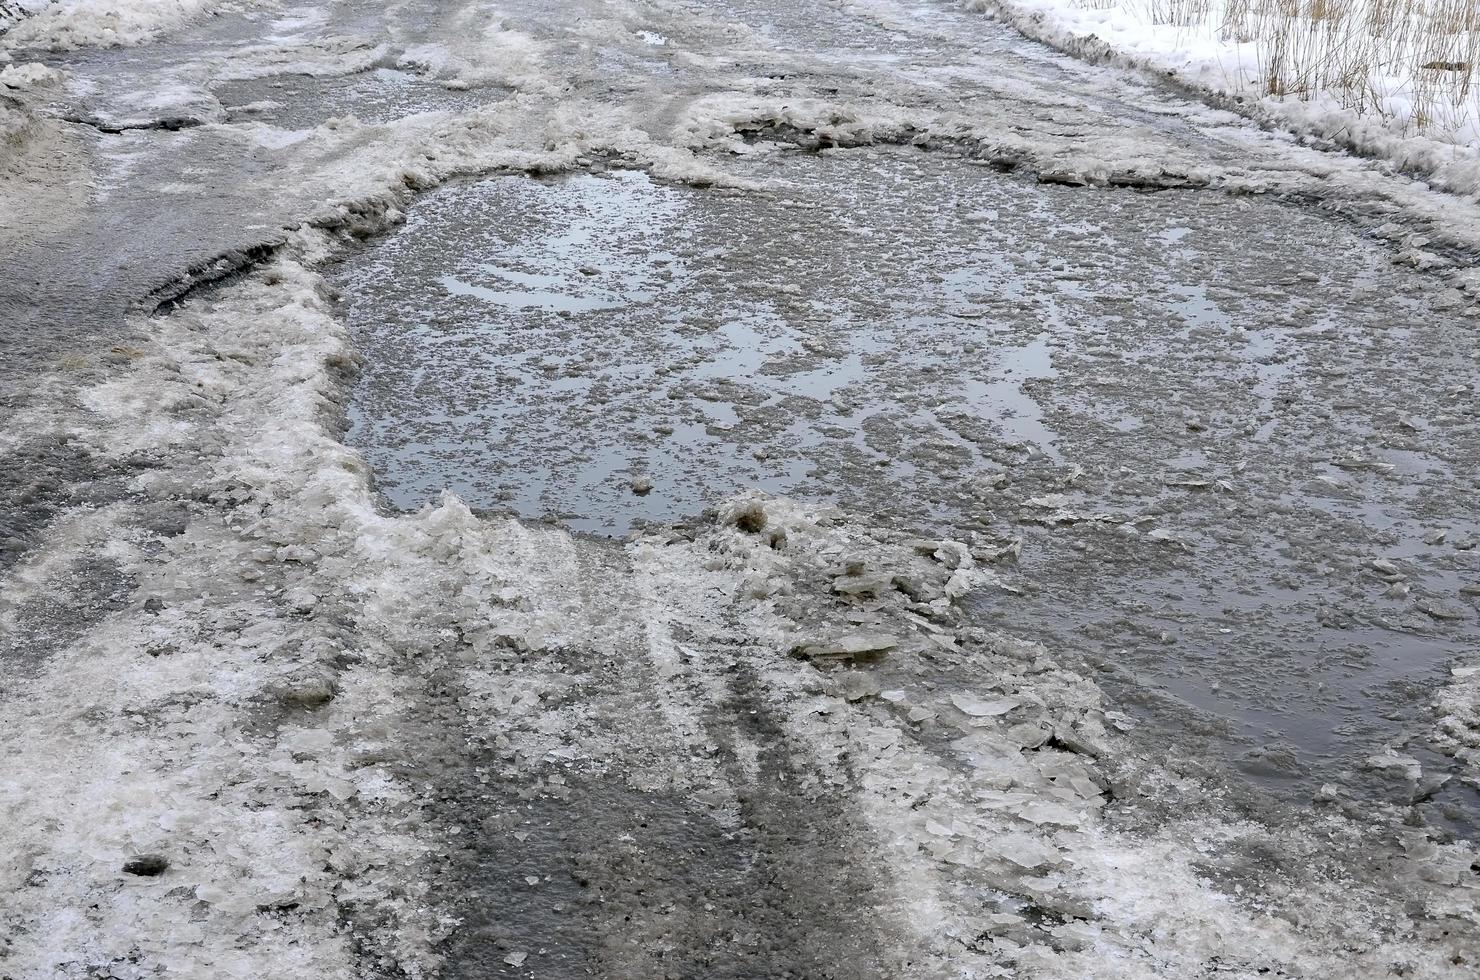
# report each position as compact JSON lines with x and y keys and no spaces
{"x":721,"y":489}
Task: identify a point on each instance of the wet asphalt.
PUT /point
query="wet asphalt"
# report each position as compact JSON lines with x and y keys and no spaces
{"x":1135,"y":387}
{"x":1225,"y":447}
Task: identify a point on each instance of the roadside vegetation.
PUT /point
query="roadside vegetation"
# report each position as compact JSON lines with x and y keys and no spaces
{"x":1414,"y":64}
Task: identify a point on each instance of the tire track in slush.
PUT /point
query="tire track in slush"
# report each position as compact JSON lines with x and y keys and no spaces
{"x":692,"y":850}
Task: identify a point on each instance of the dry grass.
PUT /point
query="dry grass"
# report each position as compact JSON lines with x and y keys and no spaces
{"x":1182,"y":13}
{"x":1415,"y":62}
{"x":1412,"y":60}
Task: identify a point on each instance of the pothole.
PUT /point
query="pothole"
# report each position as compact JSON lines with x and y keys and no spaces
{"x":1202,"y":418}
{"x":563,"y":338}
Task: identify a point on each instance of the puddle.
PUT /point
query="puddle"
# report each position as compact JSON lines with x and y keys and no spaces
{"x":379,"y":95}
{"x":540,"y":345}
{"x":939,"y":348}
{"x":1007,"y":400}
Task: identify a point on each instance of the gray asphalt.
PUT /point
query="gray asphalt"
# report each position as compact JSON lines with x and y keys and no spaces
{"x":1217,"y":440}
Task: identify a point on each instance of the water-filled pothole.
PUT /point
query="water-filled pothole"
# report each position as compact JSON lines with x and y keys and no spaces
{"x":1205,"y":418}
{"x":559,"y":338}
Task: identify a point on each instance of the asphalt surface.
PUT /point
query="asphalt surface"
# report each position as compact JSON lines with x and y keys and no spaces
{"x":1192,"y":394}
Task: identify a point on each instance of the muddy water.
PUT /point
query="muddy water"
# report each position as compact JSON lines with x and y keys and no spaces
{"x":596,"y":329}
{"x":1232,"y":439}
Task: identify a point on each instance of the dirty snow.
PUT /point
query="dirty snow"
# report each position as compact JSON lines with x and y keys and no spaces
{"x":65,"y":24}
{"x":244,"y":689}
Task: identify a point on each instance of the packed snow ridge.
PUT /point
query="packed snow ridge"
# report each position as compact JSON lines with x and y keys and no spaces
{"x":64,"y":24}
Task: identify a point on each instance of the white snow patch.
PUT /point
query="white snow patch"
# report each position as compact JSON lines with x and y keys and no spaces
{"x":29,"y":75}
{"x":485,"y":52}
{"x":1202,"y":57}
{"x":67,"y":24}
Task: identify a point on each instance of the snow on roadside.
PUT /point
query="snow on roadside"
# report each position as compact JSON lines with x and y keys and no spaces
{"x":1199,"y":61}
{"x":66,"y":24}
{"x":189,"y":725}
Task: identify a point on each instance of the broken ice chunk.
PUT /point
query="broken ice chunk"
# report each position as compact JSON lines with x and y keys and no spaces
{"x":848,"y":646}
{"x":1049,"y":813}
{"x":953,"y":554}
{"x":917,"y":588}
{"x":1386,"y":568}
{"x":1441,"y":610}
{"x":855,"y":685}
{"x":1162,"y":534}
{"x":978,"y":708}
{"x":1389,"y":760}
{"x":1355,"y":462}
{"x":863,"y":585}
{"x":1025,"y":851}
{"x":1028,"y":735}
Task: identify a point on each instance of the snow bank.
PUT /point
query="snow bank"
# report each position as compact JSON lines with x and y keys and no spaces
{"x":15,"y":10}
{"x":67,"y":24}
{"x":1200,"y":60}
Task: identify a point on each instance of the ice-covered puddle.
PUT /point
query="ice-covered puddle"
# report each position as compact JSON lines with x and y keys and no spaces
{"x":542,"y":345}
{"x":377,"y":95}
{"x":1234,"y":444}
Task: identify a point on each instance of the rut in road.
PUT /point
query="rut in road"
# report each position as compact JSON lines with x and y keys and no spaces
{"x":694,"y":844}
